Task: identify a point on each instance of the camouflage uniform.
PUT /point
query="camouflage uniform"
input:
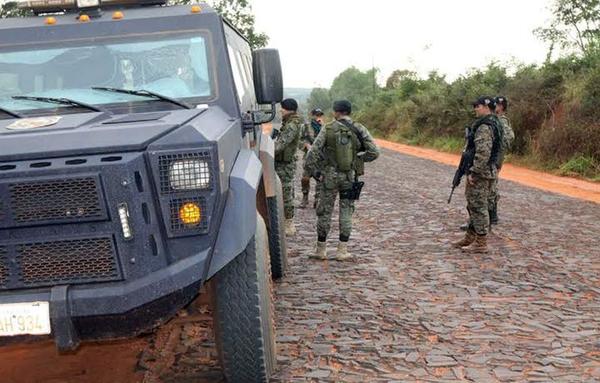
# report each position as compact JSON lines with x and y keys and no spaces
{"x":321,"y":160}
{"x":484,"y":174}
{"x":310,"y":132}
{"x":286,"y":146}
{"x":508,"y":136}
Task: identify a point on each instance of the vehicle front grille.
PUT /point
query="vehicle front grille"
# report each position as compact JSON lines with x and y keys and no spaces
{"x":65,"y":200}
{"x":68,"y":262}
{"x":3,"y":267}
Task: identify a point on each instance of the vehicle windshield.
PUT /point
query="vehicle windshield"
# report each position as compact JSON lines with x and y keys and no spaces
{"x":174,"y":66}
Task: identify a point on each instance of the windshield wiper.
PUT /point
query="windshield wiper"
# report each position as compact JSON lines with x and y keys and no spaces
{"x":10,"y":113}
{"x":59,"y":101}
{"x":144,"y":93}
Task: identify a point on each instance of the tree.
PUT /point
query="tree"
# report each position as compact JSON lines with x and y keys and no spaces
{"x":356,"y":86}
{"x":239,"y":14}
{"x":319,"y":98}
{"x":576,"y":25}
{"x":10,"y":9}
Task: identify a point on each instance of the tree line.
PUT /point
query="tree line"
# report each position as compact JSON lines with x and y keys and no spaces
{"x":554,"y":107}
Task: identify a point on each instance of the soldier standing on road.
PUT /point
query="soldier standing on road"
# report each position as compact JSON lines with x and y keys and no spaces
{"x":310,"y":132}
{"x":508,"y":136}
{"x":287,"y":139}
{"x":484,"y":139}
{"x":337,"y":159}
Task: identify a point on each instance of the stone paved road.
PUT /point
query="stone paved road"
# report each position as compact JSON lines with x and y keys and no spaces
{"x":414,"y":309}
{"x":411,"y":308}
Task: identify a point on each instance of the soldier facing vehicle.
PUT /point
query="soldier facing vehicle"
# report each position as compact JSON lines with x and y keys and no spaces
{"x":336,"y":159}
{"x":311,"y":131}
{"x":479,"y":162}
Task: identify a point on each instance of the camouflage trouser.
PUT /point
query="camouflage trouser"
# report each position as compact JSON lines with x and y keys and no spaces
{"x":477,"y":204}
{"x":330,"y":189}
{"x":494,"y":195}
{"x":285,"y":171}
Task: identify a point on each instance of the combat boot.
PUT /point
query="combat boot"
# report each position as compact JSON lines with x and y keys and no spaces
{"x":290,"y":228}
{"x":321,"y":251}
{"x":342,"y":252}
{"x":304,"y":202}
{"x":469,"y":238}
{"x":480,"y":244}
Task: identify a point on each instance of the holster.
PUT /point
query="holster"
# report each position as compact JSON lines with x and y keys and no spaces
{"x":352,"y":194}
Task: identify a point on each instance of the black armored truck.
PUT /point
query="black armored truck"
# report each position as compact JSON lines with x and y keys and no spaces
{"x":134,"y":170}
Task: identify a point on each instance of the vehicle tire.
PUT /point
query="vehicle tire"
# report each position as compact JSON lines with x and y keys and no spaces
{"x":277,"y":238}
{"x":243,"y":313}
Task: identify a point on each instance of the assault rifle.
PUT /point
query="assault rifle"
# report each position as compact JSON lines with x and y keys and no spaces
{"x":465,"y":162}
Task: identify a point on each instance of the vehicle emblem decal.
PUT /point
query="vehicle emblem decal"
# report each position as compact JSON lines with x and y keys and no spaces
{"x":32,"y":123}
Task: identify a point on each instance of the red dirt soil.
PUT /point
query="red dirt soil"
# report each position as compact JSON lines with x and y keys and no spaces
{"x":571,"y":187}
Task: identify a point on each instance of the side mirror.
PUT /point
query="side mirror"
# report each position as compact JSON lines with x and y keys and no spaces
{"x":268,"y":81}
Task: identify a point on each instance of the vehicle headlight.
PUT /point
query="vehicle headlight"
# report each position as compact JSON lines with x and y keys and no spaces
{"x":87,"y":3}
{"x":189,"y":175}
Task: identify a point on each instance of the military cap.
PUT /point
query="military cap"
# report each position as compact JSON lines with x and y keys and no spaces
{"x":342,"y":106}
{"x":501,"y":100}
{"x":316,"y":112}
{"x":486,"y":101}
{"x":289,"y":104}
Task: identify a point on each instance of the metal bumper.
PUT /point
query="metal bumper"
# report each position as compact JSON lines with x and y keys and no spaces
{"x":117,"y":310}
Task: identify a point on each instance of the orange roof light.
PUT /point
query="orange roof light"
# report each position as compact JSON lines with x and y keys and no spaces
{"x":84,"y":18}
{"x":196,"y":9}
{"x":118,"y":15}
{"x":50,"y":21}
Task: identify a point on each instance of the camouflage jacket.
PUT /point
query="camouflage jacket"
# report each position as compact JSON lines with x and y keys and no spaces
{"x":286,"y":143}
{"x":310,"y":132}
{"x":508,"y":135}
{"x":484,"y":140}
{"x":317,"y":157}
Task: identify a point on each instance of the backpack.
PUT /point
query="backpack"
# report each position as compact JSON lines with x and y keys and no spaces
{"x":342,"y":146}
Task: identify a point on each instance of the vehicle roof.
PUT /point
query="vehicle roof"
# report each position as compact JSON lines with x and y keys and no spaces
{"x":130,"y":13}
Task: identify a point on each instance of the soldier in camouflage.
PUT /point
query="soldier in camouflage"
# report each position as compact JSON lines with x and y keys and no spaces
{"x":287,"y":139}
{"x":310,"y":132}
{"x":508,"y":136}
{"x":484,"y":138}
{"x":337,"y":158}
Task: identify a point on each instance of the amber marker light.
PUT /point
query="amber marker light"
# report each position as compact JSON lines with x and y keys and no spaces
{"x":84,"y":18}
{"x":50,"y":21}
{"x":196,"y":9}
{"x":190,"y":214}
{"x":118,"y":15}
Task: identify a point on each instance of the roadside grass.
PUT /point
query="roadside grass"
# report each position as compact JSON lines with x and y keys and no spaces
{"x":578,"y":166}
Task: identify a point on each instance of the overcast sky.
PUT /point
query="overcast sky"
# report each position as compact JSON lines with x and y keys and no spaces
{"x":318,"y":39}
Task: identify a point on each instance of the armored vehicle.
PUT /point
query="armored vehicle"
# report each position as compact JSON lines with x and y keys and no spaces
{"x":134,"y":170}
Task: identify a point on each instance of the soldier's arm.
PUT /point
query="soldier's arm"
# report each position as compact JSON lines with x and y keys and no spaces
{"x":509,"y":133}
{"x":483,"y":150}
{"x":315,"y":153}
{"x":307,"y":137}
{"x":371,"y":149}
{"x":287,"y":136}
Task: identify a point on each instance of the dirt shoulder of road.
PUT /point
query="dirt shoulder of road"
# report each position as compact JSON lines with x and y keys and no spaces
{"x":571,"y":187}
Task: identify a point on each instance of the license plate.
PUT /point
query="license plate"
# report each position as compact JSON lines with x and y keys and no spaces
{"x":31,"y":318}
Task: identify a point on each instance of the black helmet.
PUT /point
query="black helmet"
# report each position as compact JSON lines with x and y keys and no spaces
{"x":486,"y":101}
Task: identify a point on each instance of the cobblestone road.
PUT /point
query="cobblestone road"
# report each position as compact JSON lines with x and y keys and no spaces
{"x":411,"y":308}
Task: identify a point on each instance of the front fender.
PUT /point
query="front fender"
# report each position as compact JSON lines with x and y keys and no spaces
{"x":239,"y":217}
{"x":267,"y":158}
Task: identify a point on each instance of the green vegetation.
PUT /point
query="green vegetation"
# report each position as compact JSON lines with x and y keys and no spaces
{"x":554,"y":108}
